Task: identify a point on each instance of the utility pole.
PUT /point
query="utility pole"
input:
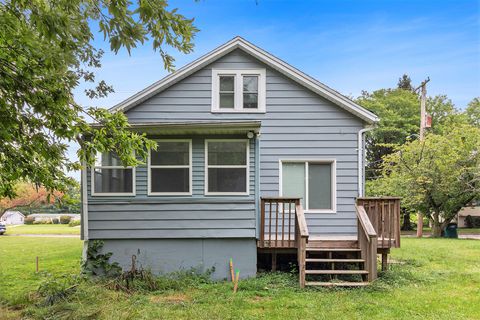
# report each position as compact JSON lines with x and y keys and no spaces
{"x":423,"y":99}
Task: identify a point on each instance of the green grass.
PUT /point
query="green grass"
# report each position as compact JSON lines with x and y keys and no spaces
{"x":428,"y":231}
{"x":42,"y":229}
{"x":430,"y":279}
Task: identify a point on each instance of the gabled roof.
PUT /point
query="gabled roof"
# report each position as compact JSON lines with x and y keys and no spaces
{"x":9,"y":213}
{"x":260,"y":54}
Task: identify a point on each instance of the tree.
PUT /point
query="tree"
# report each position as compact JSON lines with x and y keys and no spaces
{"x":437,"y":176}
{"x":46,"y":51}
{"x":405,"y":83}
{"x":399,"y":115}
{"x":473,"y":112}
{"x":28,"y":196}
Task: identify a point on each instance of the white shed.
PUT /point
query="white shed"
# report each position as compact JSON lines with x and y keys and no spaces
{"x":12,"y":217}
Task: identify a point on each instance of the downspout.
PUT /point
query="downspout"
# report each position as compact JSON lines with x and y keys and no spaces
{"x":257,"y":185}
{"x":361,"y":160}
{"x":84,"y":202}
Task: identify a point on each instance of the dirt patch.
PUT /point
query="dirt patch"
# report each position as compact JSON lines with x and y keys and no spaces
{"x":258,"y":299}
{"x":177,"y":298}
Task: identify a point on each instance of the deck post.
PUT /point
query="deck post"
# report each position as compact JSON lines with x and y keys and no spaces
{"x":384,"y":261}
{"x":274,"y":260}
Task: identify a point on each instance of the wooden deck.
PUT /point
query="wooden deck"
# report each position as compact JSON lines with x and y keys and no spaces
{"x":323,"y":259}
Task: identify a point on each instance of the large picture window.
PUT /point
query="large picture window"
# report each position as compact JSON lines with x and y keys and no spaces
{"x":226,"y":167}
{"x":238,"y":90}
{"x":111,"y":178}
{"x":170,"y":168}
{"x":312,"y":181}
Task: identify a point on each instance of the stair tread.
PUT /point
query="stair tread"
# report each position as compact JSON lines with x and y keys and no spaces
{"x":337,"y":284}
{"x":332,"y":249}
{"x":336,"y":272}
{"x":333,"y":260}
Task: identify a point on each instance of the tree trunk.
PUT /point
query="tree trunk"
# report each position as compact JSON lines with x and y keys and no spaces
{"x":436,"y":228}
{"x":407,"y":226}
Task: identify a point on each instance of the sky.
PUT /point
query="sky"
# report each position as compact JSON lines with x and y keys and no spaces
{"x":348,"y":45}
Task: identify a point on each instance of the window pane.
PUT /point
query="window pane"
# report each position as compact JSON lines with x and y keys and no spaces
{"x":293,"y":181}
{"x":227,"y":180}
{"x":250,"y":84}
{"x":113,"y":180}
{"x":227,"y":153}
{"x":171,"y":153}
{"x":170,"y":180}
{"x":319,"y":186}
{"x":107,"y":159}
{"x":227,"y":100}
{"x":250,"y":100}
{"x":227,"y":83}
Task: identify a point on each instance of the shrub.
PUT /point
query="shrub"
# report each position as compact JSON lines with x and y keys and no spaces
{"x":29,"y":220}
{"x":65,"y":219}
{"x":55,"y":221}
{"x":38,"y":222}
{"x":74,"y":223}
{"x":47,"y":222}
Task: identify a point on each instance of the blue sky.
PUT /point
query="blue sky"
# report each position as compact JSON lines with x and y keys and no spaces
{"x":348,"y":45}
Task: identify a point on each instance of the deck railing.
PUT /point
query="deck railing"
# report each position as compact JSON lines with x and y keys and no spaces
{"x":367,"y":241}
{"x":384,"y":214}
{"x":282,"y":223}
{"x":283,"y":226}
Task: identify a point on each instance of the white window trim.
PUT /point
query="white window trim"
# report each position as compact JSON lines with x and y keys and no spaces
{"x":189,"y":166}
{"x":246,"y":166}
{"x":333,"y":186}
{"x":238,"y":90}
{"x":112,"y":194}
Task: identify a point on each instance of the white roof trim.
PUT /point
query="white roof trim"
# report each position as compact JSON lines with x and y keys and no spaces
{"x":261,"y":55}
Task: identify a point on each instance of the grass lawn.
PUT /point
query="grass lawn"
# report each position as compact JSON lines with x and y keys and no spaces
{"x":428,"y":231}
{"x":43,"y":229}
{"x":430,"y":279}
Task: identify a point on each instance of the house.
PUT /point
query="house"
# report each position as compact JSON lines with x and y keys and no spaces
{"x":255,"y":158}
{"x":472,"y":210}
{"x":51,"y":216}
{"x":12,"y":217}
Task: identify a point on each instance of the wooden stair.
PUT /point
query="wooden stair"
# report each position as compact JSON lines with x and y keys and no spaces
{"x":340,"y":264}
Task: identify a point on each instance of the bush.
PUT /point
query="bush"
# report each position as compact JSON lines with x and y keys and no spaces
{"x":74,"y":223}
{"x":38,"y":222}
{"x":472,"y":222}
{"x":65,"y":219}
{"x":55,"y":221}
{"x":29,"y":220}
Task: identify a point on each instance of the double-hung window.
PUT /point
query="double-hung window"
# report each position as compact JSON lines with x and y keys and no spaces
{"x":226,"y":167}
{"x":111,"y":178}
{"x":312,"y":181}
{"x":238,"y":90}
{"x":170,"y":168}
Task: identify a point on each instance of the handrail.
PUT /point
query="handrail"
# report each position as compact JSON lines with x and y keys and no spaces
{"x":365,"y":222}
{"x":302,"y":222}
{"x":367,"y":241}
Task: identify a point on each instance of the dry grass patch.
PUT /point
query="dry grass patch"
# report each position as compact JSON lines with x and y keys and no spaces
{"x":176,"y":298}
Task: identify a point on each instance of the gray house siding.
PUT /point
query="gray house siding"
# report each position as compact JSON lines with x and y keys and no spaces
{"x":195,"y":216}
{"x":298,"y":124}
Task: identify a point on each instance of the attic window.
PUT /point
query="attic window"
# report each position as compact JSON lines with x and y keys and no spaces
{"x":238,"y":90}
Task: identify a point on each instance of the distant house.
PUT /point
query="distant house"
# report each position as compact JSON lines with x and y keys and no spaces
{"x":473,"y":210}
{"x":51,"y":216}
{"x":12,"y":217}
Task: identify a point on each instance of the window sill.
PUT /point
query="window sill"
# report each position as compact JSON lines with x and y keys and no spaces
{"x":227,"y":193}
{"x":166,"y":194}
{"x":237,"y":111}
{"x":320,"y":211}
{"x":113,"y":194}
